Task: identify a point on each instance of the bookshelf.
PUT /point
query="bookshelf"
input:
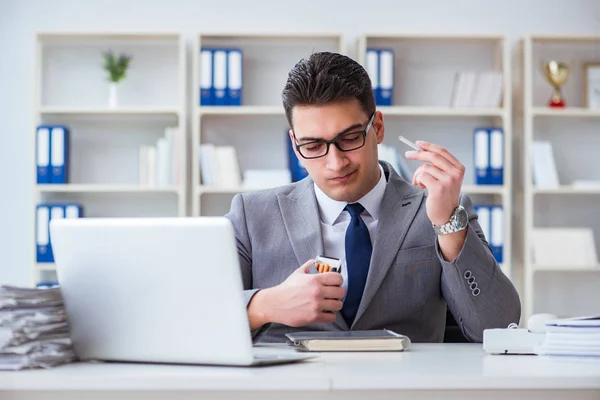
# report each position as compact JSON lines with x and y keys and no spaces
{"x":422,"y":108}
{"x":104,"y":140}
{"x":563,"y":289}
{"x":257,"y":128}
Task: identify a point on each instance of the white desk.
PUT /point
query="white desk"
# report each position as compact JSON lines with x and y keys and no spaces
{"x":447,"y":371}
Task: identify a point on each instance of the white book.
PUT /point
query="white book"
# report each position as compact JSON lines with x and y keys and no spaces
{"x":496,"y":90}
{"x":258,"y":178}
{"x":544,"y":170}
{"x":151,"y":166}
{"x":177,"y":148}
{"x":208,"y":169}
{"x":229,"y":170}
{"x":481,"y":90}
{"x":143,"y":172}
{"x":163,"y":170}
{"x":564,"y":247}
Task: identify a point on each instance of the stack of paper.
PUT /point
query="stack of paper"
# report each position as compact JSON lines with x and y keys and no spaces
{"x":572,"y":337}
{"x":33,"y":329}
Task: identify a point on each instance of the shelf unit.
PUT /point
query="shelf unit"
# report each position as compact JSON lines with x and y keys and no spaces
{"x":258,"y":128}
{"x":71,"y":89}
{"x":424,"y":71}
{"x":562,"y":290}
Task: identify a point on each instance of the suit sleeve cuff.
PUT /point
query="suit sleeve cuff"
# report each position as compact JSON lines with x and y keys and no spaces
{"x":257,"y":333}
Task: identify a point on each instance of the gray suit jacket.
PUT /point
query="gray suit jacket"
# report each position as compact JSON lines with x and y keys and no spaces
{"x":409,"y":285}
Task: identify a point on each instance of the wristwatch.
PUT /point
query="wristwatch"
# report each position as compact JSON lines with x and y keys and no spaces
{"x":458,"y":221}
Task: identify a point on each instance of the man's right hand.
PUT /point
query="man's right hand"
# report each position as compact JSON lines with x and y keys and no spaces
{"x":302,"y":299}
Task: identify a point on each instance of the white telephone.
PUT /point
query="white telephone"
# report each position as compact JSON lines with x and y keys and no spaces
{"x":515,"y":340}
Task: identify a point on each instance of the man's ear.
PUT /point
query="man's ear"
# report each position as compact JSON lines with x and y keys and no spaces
{"x":379,"y":126}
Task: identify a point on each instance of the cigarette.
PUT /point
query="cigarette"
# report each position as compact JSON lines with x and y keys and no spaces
{"x":409,"y":143}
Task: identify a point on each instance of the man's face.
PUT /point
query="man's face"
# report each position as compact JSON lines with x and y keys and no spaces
{"x":343,"y":176}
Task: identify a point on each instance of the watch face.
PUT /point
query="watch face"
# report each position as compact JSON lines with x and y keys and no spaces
{"x":461,"y":218}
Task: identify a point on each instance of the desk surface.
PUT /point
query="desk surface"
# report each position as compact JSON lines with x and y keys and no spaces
{"x":423,"y":367}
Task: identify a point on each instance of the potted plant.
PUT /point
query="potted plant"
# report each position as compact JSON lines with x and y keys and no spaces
{"x":116,"y":66}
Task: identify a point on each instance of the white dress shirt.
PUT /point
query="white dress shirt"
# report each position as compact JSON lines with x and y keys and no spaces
{"x":335,"y":220}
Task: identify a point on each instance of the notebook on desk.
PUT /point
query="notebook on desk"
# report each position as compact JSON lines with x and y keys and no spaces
{"x":371,"y":340}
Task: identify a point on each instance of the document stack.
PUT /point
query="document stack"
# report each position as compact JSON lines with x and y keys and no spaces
{"x":33,"y":329}
{"x":575,"y":337}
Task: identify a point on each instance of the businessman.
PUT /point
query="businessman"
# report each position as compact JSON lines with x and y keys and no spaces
{"x":410,"y":250}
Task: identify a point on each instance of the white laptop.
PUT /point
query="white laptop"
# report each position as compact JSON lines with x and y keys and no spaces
{"x":156,"y":290}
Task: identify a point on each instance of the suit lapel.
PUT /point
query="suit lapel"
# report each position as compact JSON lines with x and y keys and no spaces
{"x":398,"y":209}
{"x":300,"y":214}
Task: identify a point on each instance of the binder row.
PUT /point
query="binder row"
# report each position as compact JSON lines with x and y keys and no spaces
{"x":52,"y":155}
{"x":491,"y":220}
{"x":221,"y":77}
{"x":380,"y":67}
{"x":488,"y":155}
{"x":44,"y":214}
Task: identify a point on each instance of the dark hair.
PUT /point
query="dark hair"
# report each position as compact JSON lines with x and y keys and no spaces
{"x":325,"y":77}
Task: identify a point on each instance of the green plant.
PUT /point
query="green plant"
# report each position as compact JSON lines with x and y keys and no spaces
{"x":116,"y":66}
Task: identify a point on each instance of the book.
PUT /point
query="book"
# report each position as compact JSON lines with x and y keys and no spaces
{"x":371,"y":340}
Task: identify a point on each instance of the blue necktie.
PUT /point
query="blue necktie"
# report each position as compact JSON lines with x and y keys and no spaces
{"x":358,"y":258}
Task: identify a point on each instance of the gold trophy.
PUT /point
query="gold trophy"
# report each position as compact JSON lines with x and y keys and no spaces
{"x":556,"y":73}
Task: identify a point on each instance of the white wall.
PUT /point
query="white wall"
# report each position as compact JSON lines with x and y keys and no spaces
{"x":19,"y":20}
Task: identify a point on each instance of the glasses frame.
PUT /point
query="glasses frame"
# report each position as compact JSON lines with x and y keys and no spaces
{"x":334,"y":141}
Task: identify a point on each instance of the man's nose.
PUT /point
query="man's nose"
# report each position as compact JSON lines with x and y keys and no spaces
{"x":336,"y":159}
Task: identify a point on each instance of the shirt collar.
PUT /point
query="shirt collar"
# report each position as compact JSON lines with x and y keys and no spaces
{"x":331,"y":209}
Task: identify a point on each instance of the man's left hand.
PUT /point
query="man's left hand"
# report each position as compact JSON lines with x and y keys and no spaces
{"x":442,"y":175}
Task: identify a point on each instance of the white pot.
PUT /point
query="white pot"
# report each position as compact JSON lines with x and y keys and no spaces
{"x":112,"y":94}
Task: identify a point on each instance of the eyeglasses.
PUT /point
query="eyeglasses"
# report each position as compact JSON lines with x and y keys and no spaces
{"x":348,"y":141}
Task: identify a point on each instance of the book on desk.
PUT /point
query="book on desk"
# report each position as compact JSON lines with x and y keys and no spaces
{"x":371,"y":340}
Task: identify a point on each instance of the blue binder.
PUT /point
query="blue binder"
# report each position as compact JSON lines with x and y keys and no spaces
{"x":372,"y":68}
{"x":481,"y":156}
{"x":219,"y":77}
{"x":297,"y":170}
{"x":496,"y":171}
{"x":386,"y":77}
{"x":235,"y":77}
{"x":57,"y":211}
{"x":42,"y":156}
{"x":47,"y":285}
{"x":206,"y":68}
{"x":497,"y":232}
{"x":59,"y":159}
{"x":42,"y":236}
{"x":73,"y":210}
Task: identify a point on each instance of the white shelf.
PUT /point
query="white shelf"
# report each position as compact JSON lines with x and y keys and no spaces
{"x":70,"y":88}
{"x":386,"y":110}
{"x":558,"y":268}
{"x":141,"y":110}
{"x":425,"y":70}
{"x":267,"y":59}
{"x":441,"y":111}
{"x":484,"y":189}
{"x":112,"y":35}
{"x":567,"y":112}
{"x":203,"y":189}
{"x":469,"y":189}
{"x":557,"y":207}
{"x":241,"y":110}
{"x":567,"y":190}
{"x":435,"y":37}
{"x":98,"y":188}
